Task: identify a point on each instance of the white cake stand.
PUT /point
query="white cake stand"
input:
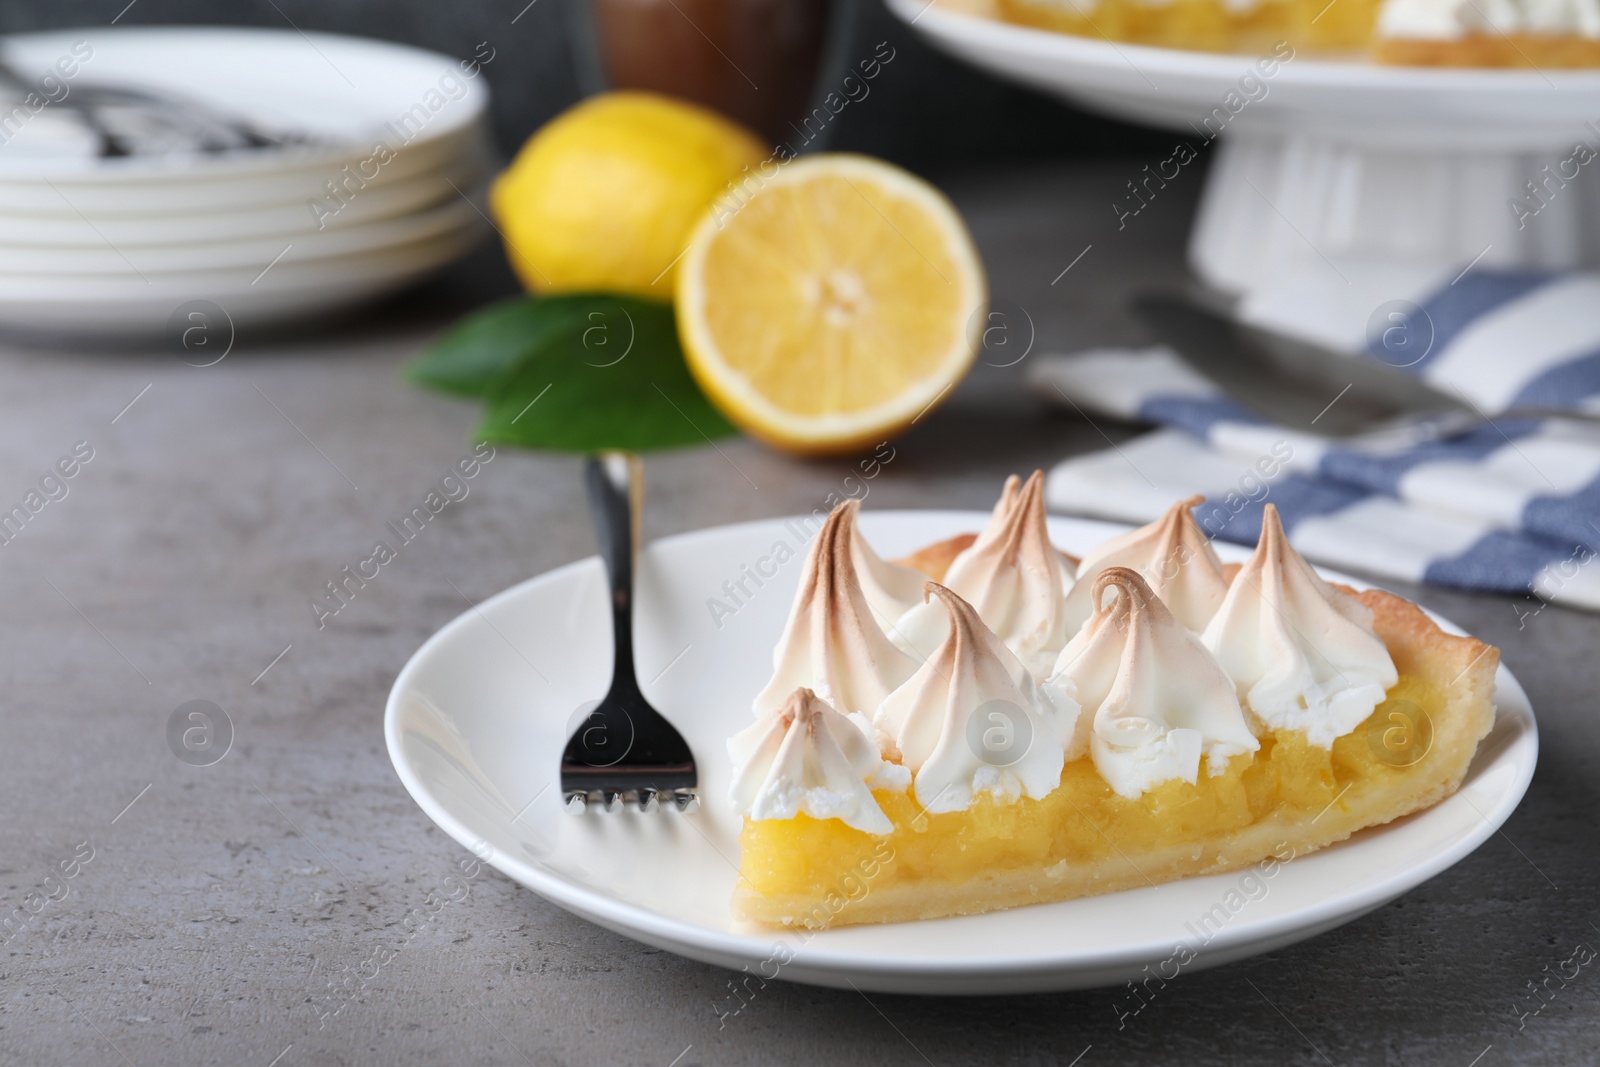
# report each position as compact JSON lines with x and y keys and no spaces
{"x":1338,"y":160}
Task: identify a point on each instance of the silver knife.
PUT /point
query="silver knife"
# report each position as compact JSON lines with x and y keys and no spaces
{"x":1296,"y":383}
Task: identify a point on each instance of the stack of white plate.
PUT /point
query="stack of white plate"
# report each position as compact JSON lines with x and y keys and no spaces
{"x":371,"y":176}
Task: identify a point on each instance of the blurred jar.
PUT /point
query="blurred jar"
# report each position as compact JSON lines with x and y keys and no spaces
{"x":760,"y":62}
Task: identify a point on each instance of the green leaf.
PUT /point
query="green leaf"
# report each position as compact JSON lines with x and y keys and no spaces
{"x":470,"y":358}
{"x":604,"y":371}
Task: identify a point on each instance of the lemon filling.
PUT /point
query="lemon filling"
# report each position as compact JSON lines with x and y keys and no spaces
{"x":1084,"y":821}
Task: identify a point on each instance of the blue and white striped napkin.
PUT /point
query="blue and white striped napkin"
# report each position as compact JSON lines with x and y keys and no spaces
{"x":1510,"y":507}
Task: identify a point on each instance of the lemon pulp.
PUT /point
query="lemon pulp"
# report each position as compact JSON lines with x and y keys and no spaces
{"x":827,"y":305}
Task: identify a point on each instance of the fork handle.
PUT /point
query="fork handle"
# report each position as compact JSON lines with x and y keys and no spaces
{"x":616,"y":497}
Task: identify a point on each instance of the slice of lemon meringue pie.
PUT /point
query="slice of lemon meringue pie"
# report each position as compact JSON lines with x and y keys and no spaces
{"x":1018,"y":735}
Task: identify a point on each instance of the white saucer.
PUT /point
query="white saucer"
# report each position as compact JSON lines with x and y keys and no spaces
{"x":66,"y":228}
{"x":345,"y":91}
{"x":31,"y":264}
{"x":476,"y":722}
{"x":140,"y":196}
{"x":114,"y":308}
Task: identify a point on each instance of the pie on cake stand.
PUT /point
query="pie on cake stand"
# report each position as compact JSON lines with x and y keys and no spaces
{"x":1325,"y":157}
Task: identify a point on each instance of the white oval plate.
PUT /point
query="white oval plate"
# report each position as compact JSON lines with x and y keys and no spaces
{"x":477,"y":720}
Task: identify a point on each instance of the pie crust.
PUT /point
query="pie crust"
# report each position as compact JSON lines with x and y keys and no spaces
{"x":1526,"y":50}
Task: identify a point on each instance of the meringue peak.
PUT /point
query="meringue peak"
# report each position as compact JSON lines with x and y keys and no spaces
{"x":1172,"y":555}
{"x":971,"y":720}
{"x":1159,"y":700}
{"x":803,"y":757}
{"x":890,"y":588}
{"x":1303,"y":654}
{"x":1013,"y":576}
{"x":831,"y":644}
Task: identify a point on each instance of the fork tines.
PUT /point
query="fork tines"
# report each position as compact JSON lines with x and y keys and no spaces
{"x":612,"y":800}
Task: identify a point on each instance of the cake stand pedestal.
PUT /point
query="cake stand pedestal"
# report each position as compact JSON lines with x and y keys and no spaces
{"x":1274,"y":202}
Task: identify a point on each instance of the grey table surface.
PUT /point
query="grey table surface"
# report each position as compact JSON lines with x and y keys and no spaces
{"x":223,"y":905}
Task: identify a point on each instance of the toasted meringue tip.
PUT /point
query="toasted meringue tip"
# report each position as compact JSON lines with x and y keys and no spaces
{"x":1118,"y":581}
{"x":1016,"y":486}
{"x":1273,"y":537}
{"x":963,"y":616}
{"x":800,"y":704}
{"x":1180,"y":517}
{"x":1032,"y":488}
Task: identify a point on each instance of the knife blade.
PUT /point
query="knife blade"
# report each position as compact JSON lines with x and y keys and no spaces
{"x":1288,"y":381}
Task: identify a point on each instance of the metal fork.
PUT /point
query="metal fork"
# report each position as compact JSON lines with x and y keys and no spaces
{"x":624,"y":751}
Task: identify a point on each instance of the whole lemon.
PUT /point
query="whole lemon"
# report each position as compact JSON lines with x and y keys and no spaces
{"x":604,"y":196}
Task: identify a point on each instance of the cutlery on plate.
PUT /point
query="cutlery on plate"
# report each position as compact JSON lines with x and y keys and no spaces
{"x":624,"y":751}
{"x":134,"y":122}
{"x":1302,"y":385}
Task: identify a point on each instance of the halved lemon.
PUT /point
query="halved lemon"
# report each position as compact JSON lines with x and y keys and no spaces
{"x":825,"y":304}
